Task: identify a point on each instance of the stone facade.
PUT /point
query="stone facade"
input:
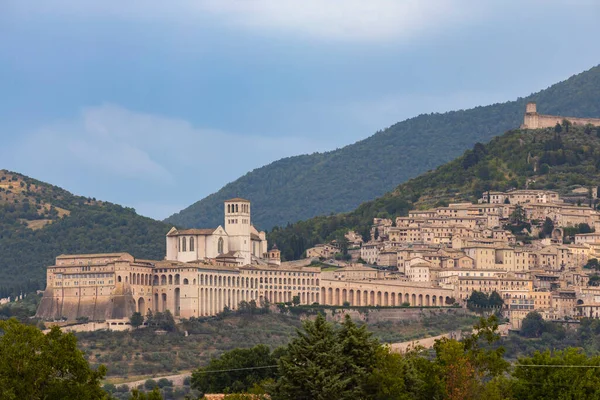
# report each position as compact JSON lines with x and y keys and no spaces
{"x":533,"y":120}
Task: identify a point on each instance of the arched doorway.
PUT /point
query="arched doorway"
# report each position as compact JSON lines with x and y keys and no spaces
{"x":142,"y":306}
{"x":177,"y":301}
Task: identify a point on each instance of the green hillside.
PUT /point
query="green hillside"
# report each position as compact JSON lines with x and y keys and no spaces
{"x":536,"y":159}
{"x":39,"y":221}
{"x":301,"y":187}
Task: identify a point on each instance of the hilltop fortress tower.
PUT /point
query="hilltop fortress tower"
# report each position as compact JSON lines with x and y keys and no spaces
{"x":533,"y":120}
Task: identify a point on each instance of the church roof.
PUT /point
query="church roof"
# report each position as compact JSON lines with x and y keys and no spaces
{"x":191,"y":232}
{"x":238,"y":199}
{"x":98,"y":255}
{"x":230,"y":254}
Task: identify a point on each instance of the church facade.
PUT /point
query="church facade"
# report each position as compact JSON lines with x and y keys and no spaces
{"x":238,"y":240}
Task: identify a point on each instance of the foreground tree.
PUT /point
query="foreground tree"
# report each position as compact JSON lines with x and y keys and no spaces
{"x":38,"y":366}
{"x":568,"y":374}
{"x":244,"y":368}
{"x":153,"y":395}
{"x":322,"y":363}
{"x":462,"y":369}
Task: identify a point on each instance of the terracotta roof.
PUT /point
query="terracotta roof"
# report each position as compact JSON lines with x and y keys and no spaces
{"x":229,"y":254}
{"x":192,"y":232}
{"x":237,"y":199}
{"x":98,"y":255}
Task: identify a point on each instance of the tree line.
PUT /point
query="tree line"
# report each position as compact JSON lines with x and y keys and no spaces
{"x":322,"y":361}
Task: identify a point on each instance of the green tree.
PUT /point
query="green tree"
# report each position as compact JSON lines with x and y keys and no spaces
{"x":464,"y":367}
{"x":34,"y":365}
{"x":296,"y":300}
{"x":532,"y":325}
{"x":245,"y":368}
{"x":584,"y":228}
{"x":557,"y":128}
{"x":495,"y":300}
{"x":592,"y":264}
{"x":594,"y":280}
{"x":541,"y":377}
{"x":517,"y":217}
{"x":136,"y":319}
{"x":548,"y":227}
{"x":394,"y":377}
{"x":314,"y":366}
{"x":139,"y":395}
{"x":361,"y":351}
{"x":477,"y":300}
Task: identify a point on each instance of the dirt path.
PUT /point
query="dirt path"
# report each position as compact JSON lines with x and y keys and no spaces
{"x":424,"y":342}
{"x":176,"y":379}
{"x":430,"y":341}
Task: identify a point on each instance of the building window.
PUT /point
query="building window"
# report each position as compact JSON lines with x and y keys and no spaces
{"x":191,"y":244}
{"x":220,"y":246}
{"x":183,"y":244}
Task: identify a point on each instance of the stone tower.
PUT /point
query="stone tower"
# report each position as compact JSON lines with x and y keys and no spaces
{"x":531,"y":119}
{"x":274,"y":256}
{"x":237,"y":226}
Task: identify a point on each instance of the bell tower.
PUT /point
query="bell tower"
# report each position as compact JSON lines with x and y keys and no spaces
{"x":237,"y":226}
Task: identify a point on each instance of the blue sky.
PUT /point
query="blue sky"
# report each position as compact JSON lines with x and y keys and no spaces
{"x":155,"y":104}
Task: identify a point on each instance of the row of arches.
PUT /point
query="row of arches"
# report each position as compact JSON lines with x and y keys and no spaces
{"x":279,"y":296}
{"x":229,"y":281}
{"x":290,"y":281}
{"x":207,"y":280}
{"x":234,"y":208}
{"x":214,"y":300}
{"x":339,"y":297}
{"x":168,"y":280}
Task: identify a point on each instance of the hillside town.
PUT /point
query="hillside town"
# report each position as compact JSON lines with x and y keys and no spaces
{"x":514,"y":243}
{"x":517,"y":244}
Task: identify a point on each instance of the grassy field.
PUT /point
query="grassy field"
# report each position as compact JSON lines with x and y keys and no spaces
{"x":142,"y":353}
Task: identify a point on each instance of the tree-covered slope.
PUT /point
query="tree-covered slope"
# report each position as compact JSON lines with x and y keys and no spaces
{"x":534,"y":159}
{"x":301,"y":187}
{"x":39,"y":221}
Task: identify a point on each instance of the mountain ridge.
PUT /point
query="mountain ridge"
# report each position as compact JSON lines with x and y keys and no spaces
{"x":299,"y":187}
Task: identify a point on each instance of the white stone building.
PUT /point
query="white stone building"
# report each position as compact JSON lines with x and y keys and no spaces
{"x":237,"y":240}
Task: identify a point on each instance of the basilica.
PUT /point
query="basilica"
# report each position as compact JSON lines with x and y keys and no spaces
{"x":237,"y":241}
{"x":206,"y":271}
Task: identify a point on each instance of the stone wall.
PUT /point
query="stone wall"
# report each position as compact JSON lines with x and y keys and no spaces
{"x":72,"y":304}
{"x":391,"y":314}
{"x":533,"y":120}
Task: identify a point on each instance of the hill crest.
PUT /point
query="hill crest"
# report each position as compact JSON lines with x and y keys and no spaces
{"x":304,"y":186}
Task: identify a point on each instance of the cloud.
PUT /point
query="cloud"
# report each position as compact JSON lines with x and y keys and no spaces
{"x":345,"y":20}
{"x":152,"y":162}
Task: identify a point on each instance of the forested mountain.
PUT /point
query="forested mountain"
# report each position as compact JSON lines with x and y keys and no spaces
{"x":562,"y":158}
{"x":301,"y":187}
{"x":39,"y":221}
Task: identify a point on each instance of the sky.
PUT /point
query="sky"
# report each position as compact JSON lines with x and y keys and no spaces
{"x":156,"y":104}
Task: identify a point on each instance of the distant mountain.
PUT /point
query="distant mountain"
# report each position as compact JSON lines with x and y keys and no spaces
{"x":301,"y":187}
{"x":534,"y":159}
{"x":39,"y":221}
